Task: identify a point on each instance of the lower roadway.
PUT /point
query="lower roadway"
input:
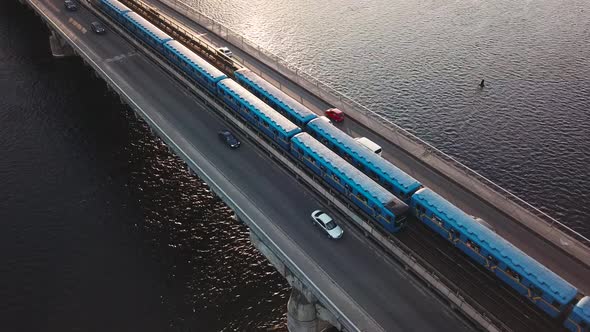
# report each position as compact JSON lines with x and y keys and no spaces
{"x":382,"y":289}
{"x":571,"y":269}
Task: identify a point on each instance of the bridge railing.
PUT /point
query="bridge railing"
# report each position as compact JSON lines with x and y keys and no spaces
{"x":347,"y":104}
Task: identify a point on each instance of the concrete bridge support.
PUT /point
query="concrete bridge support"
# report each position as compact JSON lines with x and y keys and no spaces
{"x":59,"y":47}
{"x":301,"y":314}
{"x":304,"y":312}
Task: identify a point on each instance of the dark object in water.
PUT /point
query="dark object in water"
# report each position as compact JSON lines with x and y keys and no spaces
{"x":482,"y":84}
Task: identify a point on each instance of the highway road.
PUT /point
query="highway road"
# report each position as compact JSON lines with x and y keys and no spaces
{"x":571,"y":269}
{"x":392,"y":298}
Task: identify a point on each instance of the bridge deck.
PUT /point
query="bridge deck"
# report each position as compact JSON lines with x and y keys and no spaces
{"x":363,"y":283}
{"x":575,"y":269}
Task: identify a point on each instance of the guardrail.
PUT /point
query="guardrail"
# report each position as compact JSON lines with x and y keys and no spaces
{"x":340,"y":100}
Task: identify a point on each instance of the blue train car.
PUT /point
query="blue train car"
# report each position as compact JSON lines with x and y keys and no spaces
{"x":388,"y":175}
{"x":365,"y":193}
{"x":193,"y":65}
{"x":528,"y":277}
{"x":257,"y":113}
{"x":275,"y":98}
{"x":115,"y":9}
{"x":579,"y":318}
{"x":146,"y":31}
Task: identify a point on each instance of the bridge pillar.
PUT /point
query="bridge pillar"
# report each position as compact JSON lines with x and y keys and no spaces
{"x":304,"y":312}
{"x":59,"y":47}
{"x":301,"y":314}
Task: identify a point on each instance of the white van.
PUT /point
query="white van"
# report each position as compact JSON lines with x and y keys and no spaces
{"x":369,"y":144}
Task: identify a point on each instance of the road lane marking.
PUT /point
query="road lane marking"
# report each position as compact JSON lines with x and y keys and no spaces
{"x":54,"y":7}
{"x":121,"y":56}
{"x":77,"y":25}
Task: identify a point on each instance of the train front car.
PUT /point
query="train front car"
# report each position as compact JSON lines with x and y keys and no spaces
{"x":145,"y":31}
{"x":579,"y":319}
{"x":385,"y":173}
{"x":528,"y":277}
{"x":369,"y":196}
{"x":201,"y":71}
{"x":268,"y":121}
{"x":115,"y":9}
{"x":275,"y":98}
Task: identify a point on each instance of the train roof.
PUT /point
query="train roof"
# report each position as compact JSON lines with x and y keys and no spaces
{"x":302,"y":112}
{"x":203,"y":66}
{"x":352,"y":147}
{"x":517,"y":260}
{"x":116,"y":5}
{"x":582,"y":308}
{"x":273,"y":116}
{"x":355,"y":176}
{"x":147,"y":26}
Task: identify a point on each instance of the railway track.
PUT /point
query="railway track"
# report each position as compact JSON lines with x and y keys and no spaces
{"x":501,"y":301}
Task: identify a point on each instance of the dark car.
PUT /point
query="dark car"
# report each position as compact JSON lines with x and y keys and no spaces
{"x":228,"y":138}
{"x":70,"y":5}
{"x":98,"y":27}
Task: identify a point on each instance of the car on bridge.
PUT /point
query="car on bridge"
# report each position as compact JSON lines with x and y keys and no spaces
{"x":98,"y":28}
{"x":70,"y":5}
{"x":335,"y":114}
{"x":226,"y":51}
{"x":325,"y":222}
{"x":228,"y":138}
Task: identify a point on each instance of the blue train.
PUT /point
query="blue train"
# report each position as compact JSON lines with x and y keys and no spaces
{"x":528,"y":277}
{"x":194,"y":66}
{"x":272,"y":124}
{"x":373,"y":199}
{"x":274,"y":97}
{"x":389,"y":176}
{"x":579,"y":319}
{"x":383,"y":192}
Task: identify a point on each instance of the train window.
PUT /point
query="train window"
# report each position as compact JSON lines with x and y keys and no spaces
{"x":513,"y":274}
{"x":492,"y":260}
{"x":453,"y":232}
{"x":472,"y":245}
{"x":323,"y":168}
{"x":276,"y":132}
{"x":476,"y":248}
{"x":361,"y":198}
{"x":438,"y":221}
{"x":347,"y":187}
{"x":336,"y":178}
{"x":300,"y":150}
{"x":536,"y":292}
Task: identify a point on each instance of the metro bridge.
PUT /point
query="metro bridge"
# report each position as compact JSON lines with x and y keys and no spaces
{"x":363,"y":282}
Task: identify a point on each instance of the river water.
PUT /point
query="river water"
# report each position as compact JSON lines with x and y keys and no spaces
{"x":101,"y":229}
{"x":419,"y":63}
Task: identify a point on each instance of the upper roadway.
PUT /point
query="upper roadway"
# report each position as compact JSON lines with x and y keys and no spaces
{"x":379,"y":287}
{"x":573,"y":270}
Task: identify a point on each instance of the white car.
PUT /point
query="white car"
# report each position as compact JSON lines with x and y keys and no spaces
{"x":326,"y":223}
{"x":226,"y":51}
